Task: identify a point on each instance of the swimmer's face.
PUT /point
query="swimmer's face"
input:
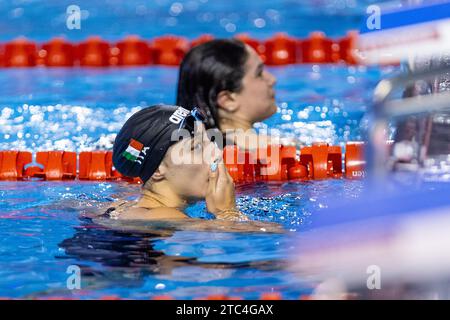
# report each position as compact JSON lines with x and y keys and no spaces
{"x":187,"y":164}
{"x":256,"y":100}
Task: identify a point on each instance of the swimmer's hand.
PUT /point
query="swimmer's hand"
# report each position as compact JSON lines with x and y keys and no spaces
{"x":220,"y":196}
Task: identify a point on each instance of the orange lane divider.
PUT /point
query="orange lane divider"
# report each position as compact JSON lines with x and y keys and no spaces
{"x":319,"y":49}
{"x":281,"y":163}
{"x":274,"y":163}
{"x":169,"y":50}
{"x":57,"y":53}
{"x":94,"y":52}
{"x":219,"y":297}
{"x":132,"y":51}
{"x":354,"y":160}
{"x":263,"y":296}
{"x":271,"y":296}
{"x":322,"y":161}
{"x":19,"y":53}
{"x":280,"y":49}
{"x":347,"y":47}
{"x":163,"y":297}
{"x":12,"y":164}
{"x":54,"y":165}
{"x":96,"y":165}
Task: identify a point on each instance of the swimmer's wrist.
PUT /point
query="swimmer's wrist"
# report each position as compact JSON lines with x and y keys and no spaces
{"x":231,"y":214}
{"x":230,"y":210}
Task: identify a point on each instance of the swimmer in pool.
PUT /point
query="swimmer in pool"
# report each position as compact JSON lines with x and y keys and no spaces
{"x":169,"y":150}
{"x":228,"y":81}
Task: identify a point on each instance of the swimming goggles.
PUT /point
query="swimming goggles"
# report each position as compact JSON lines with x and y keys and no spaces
{"x":188,"y":122}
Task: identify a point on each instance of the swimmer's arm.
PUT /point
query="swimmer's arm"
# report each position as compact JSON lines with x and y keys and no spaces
{"x":137,"y":213}
{"x":228,"y":226}
{"x":173,"y":218}
{"x":144,"y":224}
{"x":153,"y":214}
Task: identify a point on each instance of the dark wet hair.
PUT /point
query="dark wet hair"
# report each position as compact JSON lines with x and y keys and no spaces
{"x":208,"y":69}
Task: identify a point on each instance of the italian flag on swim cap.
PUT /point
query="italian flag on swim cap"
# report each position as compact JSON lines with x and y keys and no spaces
{"x":133,"y":150}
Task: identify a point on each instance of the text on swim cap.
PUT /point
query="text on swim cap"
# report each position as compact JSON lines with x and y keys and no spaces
{"x":179,"y":115}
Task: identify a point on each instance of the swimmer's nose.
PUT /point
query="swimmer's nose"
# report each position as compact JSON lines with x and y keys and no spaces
{"x":271,"y":79}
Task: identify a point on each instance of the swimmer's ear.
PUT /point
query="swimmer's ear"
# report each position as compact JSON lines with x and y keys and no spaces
{"x":159,"y":174}
{"x":227,"y":101}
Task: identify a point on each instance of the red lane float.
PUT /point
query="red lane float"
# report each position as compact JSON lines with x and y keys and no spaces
{"x":220,"y":297}
{"x":271,"y":296}
{"x":281,"y":163}
{"x":12,"y":164}
{"x":20,"y":53}
{"x":231,"y":157}
{"x":318,"y":49}
{"x":274,"y":163}
{"x":298,"y":171}
{"x":132,"y":51}
{"x":322,"y":161}
{"x":169,"y":50}
{"x":53,"y":165}
{"x":57,"y":53}
{"x":347,"y":47}
{"x":2,"y":55}
{"x":354,"y":160}
{"x":95,"y":165}
{"x":94,"y":52}
{"x":163,"y":297}
{"x":281,"y":49}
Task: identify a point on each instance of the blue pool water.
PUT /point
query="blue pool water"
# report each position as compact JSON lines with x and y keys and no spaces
{"x":42,"y":229}
{"x":73,"y":108}
{"x":113,"y":19}
{"x":42,"y":235}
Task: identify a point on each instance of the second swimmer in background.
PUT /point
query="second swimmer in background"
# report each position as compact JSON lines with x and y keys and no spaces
{"x":228,"y":81}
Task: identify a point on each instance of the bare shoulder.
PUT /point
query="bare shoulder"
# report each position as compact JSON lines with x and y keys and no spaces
{"x":252,"y":140}
{"x":162,"y":213}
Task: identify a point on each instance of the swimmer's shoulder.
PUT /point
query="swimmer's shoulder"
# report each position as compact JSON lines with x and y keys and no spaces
{"x":251,"y":140}
{"x":162,"y":213}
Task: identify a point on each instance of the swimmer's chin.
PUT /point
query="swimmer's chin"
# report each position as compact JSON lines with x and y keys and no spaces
{"x":266,"y":115}
{"x":271,"y":112}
